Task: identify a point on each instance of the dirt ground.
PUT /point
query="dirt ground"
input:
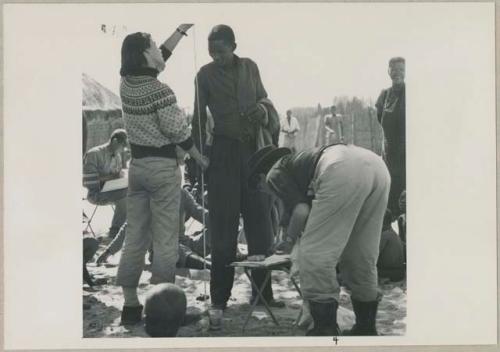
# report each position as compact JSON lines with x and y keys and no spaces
{"x":102,"y":305}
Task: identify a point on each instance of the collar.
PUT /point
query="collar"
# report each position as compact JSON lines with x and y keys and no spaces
{"x":235,"y":64}
{"x":145,"y":71}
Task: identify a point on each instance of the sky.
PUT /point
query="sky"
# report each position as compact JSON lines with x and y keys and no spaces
{"x":307,"y":53}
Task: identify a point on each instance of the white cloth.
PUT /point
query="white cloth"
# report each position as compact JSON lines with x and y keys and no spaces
{"x":290,"y":131}
{"x":291,"y":127}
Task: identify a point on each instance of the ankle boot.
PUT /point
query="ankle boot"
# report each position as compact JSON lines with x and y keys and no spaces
{"x":325,"y":319}
{"x":366,"y":314}
{"x":131,"y":315}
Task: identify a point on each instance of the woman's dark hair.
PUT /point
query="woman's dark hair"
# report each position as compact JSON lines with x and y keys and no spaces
{"x":133,"y":48}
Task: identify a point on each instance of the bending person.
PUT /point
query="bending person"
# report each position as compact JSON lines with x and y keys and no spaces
{"x":341,"y":192}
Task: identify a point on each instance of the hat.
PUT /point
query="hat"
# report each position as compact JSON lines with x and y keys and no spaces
{"x":262,"y":160}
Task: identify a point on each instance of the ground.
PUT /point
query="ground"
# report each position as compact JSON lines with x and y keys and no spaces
{"x":102,"y":305}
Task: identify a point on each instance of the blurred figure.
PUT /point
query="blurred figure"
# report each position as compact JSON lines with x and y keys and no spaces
{"x":332,"y":123}
{"x":391,"y":261}
{"x":103,"y":163}
{"x":290,"y":128}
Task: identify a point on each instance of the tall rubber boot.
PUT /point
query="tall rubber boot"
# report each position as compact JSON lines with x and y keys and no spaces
{"x":366,"y":314}
{"x":325,"y":319}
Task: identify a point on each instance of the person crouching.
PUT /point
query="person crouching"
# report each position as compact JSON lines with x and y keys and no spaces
{"x":340,"y":193}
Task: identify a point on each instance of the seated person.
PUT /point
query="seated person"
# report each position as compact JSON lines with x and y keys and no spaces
{"x":390,"y":262}
{"x":100,"y":164}
{"x":190,"y":248}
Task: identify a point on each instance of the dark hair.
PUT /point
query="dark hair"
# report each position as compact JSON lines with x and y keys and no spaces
{"x":133,"y":48}
{"x":395,"y":60}
{"x":222,"y":32}
{"x":120,"y":135}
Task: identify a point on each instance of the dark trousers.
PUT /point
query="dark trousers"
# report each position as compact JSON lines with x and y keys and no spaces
{"x":228,"y":196}
{"x":397,"y":169}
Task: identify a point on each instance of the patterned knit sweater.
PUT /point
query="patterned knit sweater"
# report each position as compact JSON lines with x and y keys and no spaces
{"x":152,"y":117}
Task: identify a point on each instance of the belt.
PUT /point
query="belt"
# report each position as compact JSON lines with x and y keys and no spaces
{"x":142,"y":151}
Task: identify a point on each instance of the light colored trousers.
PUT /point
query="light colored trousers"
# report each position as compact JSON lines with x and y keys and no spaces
{"x":344,"y":225}
{"x":153,"y":214}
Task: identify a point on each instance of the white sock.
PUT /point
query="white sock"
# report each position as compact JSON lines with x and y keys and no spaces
{"x":130,"y":295}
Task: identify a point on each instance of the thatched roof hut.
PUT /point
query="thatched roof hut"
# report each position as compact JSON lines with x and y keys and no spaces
{"x":101,"y":109}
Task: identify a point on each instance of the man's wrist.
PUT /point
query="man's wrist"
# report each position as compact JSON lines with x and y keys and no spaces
{"x":181,"y":31}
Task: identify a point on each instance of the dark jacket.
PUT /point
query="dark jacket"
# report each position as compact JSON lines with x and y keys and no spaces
{"x":291,"y":177}
{"x":229,"y":93}
{"x":391,"y":114}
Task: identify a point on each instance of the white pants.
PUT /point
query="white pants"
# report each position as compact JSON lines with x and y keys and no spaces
{"x":153,"y":215}
{"x":344,"y":225}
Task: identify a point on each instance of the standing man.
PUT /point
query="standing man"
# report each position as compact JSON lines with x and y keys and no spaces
{"x":391,"y":114}
{"x":290,"y":128}
{"x":100,"y":164}
{"x":330,"y":126}
{"x":232,"y":89}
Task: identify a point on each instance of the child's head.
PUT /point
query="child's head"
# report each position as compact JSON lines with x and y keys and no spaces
{"x":165,"y":309}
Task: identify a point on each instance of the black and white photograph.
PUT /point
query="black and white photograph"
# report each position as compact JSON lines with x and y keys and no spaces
{"x":258,"y":218}
{"x":239,"y":170}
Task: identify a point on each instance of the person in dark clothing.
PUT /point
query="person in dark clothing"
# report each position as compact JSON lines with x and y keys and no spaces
{"x":391,"y":114}
{"x":232,"y":89}
{"x":390,"y":262}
